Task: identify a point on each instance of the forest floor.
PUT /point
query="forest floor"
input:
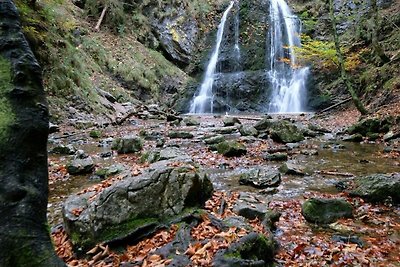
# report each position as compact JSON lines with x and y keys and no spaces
{"x":371,"y":238}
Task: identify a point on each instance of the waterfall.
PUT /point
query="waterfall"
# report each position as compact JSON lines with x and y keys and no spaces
{"x":288,"y":81}
{"x":203,"y":102}
{"x":237,"y":46}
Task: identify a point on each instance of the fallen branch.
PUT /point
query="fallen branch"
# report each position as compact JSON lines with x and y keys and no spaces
{"x":97,"y":28}
{"x":333,"y":173}
{"x":334,"y":106}
{"x":247,"y":118}
{"x":128,"y":115}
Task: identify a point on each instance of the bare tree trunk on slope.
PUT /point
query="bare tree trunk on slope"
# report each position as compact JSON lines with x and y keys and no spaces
{"x":357,"y":102}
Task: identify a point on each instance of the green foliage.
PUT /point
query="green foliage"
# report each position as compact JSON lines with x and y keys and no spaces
{"x":322,"y":55}
{"x":308,"y":22}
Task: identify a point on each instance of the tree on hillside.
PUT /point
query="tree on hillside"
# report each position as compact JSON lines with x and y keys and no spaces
{"x":24,"y":236}
{"x":357,"y":102}
{"x":380,"y":57}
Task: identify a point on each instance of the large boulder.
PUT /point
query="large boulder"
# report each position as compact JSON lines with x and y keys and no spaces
{"x":260,"y":178}
{"x":378,"y":187}
{"x":134,"y":203}
{"x":231,"y":149}
{"x":128,"y":144}
{"x":325,"y":211}
{"x":180,"y":134}
{"x":293,"y":168}
{"x":80,"y":166}
{"x":230,"y":121}
{"x":370,"y":125}
{"x":250,"y":207}
{"x":285,"y":132}
{"x":246,"y":130}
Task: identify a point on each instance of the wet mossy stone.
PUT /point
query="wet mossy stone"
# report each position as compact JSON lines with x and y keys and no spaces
{"x":264,"y":124}
{"x":95,"y":134}
{"x":154,"y":198}
{"x":292,"y":168}
{"x":180,"y":134}
{"x":285,"y":132}
{"x":214,"y":140}
{"x":80,"y":166}
{"x":64,"y":150}
{"x":230,"y":121}
{"x":354,"y":138}
{"x":378,"y":187}
{"x":190,"y":121}
{"x":276,"y":157}
{"x":259,"y":178}
{"x":246,"y":130}
{"x":370,"y":125}
{"x":253,"y":249}
{"x":128,"y":144}
{"x":325,"y":211}
{"x":231,"y":149}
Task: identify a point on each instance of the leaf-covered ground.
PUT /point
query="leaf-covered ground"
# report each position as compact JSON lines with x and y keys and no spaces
{"x":371,"y":238}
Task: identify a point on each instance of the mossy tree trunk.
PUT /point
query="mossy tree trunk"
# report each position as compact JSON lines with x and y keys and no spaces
{"x":357,"y":102}
{"x":379,"y":55}
{"x":24,"y":236}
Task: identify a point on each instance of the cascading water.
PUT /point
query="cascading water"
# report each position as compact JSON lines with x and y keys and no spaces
{"x":237,"y":45}
{"x":288,"y":81}
{"x":203,"y":102}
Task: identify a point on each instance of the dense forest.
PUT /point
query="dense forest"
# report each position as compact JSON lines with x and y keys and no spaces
{"x":199,"y":133}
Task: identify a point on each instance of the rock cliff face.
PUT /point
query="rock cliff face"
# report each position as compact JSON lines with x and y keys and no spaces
{"x":241,"y":83}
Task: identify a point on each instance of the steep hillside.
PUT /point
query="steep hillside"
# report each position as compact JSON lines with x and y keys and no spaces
{"x":376,"y":81}
{"x":139,"y":55}
{"x":155,"y":52}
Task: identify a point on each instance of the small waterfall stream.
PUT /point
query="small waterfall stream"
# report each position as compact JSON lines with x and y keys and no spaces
{"x":288,"y":81}
{"x":280,"y":86}
{"x":203,"y":102}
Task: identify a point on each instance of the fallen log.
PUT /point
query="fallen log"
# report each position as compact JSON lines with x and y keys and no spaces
{"x":103,"y":13}
{"x":334,"y":106}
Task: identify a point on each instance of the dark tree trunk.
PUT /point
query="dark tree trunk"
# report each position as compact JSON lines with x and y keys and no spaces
{"x":24,"y":236}
{"x":380,"y":56}
{"x":356,"y":100}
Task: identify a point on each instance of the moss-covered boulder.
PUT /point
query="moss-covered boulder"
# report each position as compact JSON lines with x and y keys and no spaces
{"x":292,"y":168}
{"x":285,"y":132}
{"x":378,"y":187}
{"x":128,"y":144}
{"x":230,"y":121}
{"x":80,"y":166}
{"x":370,"y":125}
{"x":134,"y":203}
{"x":191,"y":121}
{"x":325,"y":211}
{"x":353,"y":138}
{"x":253,"y":249}
{"x":214,"y":140}
{"x":264,"y":124}
{"x":231,"y":149}
{"x":246,"y":130}
{"x":180,"y":134}
{"x":260,"y":178}
{"x":280,"y":156}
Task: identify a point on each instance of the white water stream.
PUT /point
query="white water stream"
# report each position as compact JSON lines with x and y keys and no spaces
{"x":288,"y":80}
{"x":203,"y":102}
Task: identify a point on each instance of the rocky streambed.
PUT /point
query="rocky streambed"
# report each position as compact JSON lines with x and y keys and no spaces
{"x":121,"y":184}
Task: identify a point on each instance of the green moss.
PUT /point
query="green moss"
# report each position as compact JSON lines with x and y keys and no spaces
{"x":95,"y":134}
{"x":6,"y":113}
{"x":125,"y":228}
